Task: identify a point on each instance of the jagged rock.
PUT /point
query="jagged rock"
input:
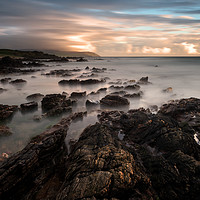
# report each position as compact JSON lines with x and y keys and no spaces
{"x":78,"y":94}
{"x":5,"y":131}
{"x":114,"y":100}
{"x":35,"y":97}
{"x":7,"y":111}
{"x":98,"y":70}
{"x":18,"y":81}
{"x":87,"y":68}
{"x":144,"y":81}
{"x":36,"y":172}
{"x":157,"y":158}
{"x":29,"y":106}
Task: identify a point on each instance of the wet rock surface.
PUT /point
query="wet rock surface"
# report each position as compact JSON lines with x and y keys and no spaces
{"x":18,"y":81}
{"x":114,"y":100}
{"x":55,"y":104}
{"x":35,"y":97}
{"x":29,"y":106}
{"x":133,"y":155}
{"x":7,"y":111}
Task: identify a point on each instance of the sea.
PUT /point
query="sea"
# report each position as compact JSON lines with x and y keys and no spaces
{"x":182,"y":74}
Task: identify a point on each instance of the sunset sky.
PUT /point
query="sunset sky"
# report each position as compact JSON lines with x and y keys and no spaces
{"x":107,"y":27}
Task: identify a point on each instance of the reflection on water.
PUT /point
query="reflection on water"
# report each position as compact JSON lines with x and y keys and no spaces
{"x":182,"y":74}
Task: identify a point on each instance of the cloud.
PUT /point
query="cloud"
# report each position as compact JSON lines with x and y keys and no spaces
{"x":190,"y":48}
{"x":150,"y":50}
{"x":114,"y":27}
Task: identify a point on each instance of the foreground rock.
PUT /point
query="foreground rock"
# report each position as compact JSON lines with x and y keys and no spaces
{"x":144,"y":81}
{"x":114,"y":100}
{"x":7,"y":111}
{"x":36,"y":171}
{"x":134,"y":155}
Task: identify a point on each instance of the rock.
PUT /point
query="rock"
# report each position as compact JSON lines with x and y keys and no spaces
{"x":56,"y":104}
{"x":77,"y":81}
{"x":168,"y":90}
{"x":157,"y":158}
{"x":144,"y":81}
{"x":71,"y":82}
{"x":87,"y":68}
{"x":134,"y":95}
{"x":59,"y":72}
{"x":8,"y":62}
{"x":33,"y":77}
{"x":114,"y":100}
{"x":81,"y":60}
{"x":91,"y":103}
{"x":29,"y":106}
{"x":5,"y":80}
{"x":5,"y":131}
{"x":98,"y":70}
{"x":78,"y":94}
{"x":18,"y":81}
{"x":41,"y":163}
{"x":153,"y":108}
{"x":102,"y":90}
{"x":35,"y":97}
{"x":121,"y":92}
{"x":116,"y":87}
{"x":2,"y":90}
{"x":7,"y":111}
{"x":132,"y":87}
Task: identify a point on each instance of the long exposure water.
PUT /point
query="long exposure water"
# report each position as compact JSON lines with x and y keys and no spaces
{"x":182,"y":74}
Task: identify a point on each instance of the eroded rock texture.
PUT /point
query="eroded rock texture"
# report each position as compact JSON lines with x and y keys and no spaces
{"x":134,"y":155}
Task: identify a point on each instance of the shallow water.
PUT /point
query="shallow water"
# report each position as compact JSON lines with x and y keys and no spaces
{"x":182,"y":74}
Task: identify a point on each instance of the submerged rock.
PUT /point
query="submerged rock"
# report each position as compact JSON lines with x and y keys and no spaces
{"x":5,"y":131}
{"x":134,"y":95}
{"x":5,"y":80}
{"x":168,"y":90}
{"x":114,"y":100}
{"x":18,"y":81}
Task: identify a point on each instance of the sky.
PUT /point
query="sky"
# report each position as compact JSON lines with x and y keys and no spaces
{"x":106,"y":27}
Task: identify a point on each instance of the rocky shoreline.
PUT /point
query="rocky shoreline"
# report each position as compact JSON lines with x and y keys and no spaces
{"x":133,"y":155}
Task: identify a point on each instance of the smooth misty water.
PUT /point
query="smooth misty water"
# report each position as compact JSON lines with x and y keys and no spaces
{"x":182,"y":74}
